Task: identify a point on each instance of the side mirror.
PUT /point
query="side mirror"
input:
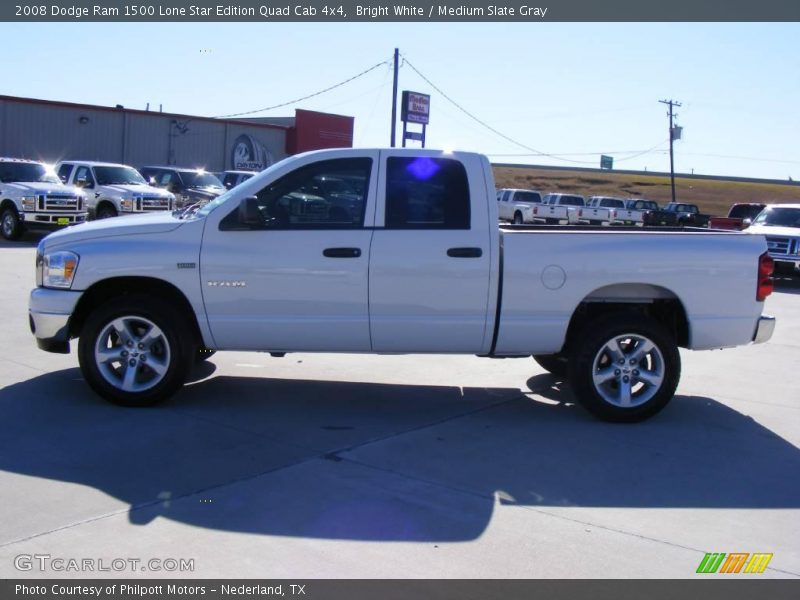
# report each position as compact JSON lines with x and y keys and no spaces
{"x":746,"y":223}
{"x":250,"y":213}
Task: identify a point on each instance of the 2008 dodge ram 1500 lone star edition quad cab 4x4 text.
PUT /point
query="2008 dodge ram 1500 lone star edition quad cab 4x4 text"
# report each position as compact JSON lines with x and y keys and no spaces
{"x":403,"y":256}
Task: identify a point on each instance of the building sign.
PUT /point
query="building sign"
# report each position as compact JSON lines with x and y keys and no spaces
{"x":416,"y":108}
{"x":248,"y":154}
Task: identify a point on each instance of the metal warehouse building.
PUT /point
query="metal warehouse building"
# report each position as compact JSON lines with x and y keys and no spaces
{"x":51,"y":131}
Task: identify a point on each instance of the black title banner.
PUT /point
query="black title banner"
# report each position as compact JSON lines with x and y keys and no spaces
{"x":411,"y":11}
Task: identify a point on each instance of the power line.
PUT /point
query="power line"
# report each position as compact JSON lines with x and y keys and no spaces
{"x":486,"y":125}
{"x":634,"y":152}
{"x":295,"y":101}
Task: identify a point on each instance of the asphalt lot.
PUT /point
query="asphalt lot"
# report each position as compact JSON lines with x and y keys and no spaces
{"x":338,"y":466}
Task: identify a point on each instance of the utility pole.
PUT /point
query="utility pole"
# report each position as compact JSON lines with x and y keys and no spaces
{"x":394,"y":95}
{"x":671,"y":103}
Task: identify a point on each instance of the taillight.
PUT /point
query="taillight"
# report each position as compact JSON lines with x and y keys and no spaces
{"x":536,"y":210}
{"x":613,"y":214}
{"x":765,"y":283}
{"x":580,"y":212}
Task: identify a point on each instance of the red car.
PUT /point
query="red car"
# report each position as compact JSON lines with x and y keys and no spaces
{"x":739,"y":217}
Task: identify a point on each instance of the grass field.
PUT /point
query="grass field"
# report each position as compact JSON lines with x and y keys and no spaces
{"x":713,"y":196}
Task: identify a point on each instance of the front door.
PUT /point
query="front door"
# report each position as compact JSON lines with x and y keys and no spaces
{"x":298,"y":281}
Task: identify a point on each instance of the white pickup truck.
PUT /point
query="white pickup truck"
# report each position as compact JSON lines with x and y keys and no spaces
{"x":113,"y":189}
{"x":635,"y":212}
{"x":32,"y":197}
{"x":599,"y":210}
{"x":556,"y":208}
{"x":516,"y":205}
{"x":409,"y":260}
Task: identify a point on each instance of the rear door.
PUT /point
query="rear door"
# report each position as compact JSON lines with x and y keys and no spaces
{"x":430,"y":260}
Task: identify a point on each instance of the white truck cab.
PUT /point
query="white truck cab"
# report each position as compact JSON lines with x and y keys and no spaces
{"x":32,"y":197}
{"x":557,"y":207}
{"x":113,"y":189}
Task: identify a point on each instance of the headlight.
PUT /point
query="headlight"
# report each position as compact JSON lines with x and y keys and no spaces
{"x":29,"y":203}
{"x":58,"y":269}
{"x":127,"y":204}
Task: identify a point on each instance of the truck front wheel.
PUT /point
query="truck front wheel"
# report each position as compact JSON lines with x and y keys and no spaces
{"x":10,"y":224}
{"x":517,"y":218}
{"x":135,"y":351}
{"x":626,"y":368}
{"x":106,"y":211}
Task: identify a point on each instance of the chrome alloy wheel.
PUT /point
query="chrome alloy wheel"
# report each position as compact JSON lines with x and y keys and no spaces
{"x":628,"y":370}
{"x":9,"y":224}
{"x":132,"y":353}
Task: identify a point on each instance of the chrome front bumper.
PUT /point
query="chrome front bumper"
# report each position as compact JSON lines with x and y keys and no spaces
{"x":49,"y":312}
{"x":764,"y":329}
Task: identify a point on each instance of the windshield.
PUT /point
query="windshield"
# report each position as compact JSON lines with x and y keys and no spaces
{"x":13,"y":172}
{"x":779,"y":217}
{"x":200,"y":179}
{"x":118,"y":176}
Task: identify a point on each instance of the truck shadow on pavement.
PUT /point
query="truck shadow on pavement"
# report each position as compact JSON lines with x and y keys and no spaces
{"x":367,"y":461}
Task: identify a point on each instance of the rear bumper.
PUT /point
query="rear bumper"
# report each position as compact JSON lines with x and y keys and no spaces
{"x":764,"y":329}
{"x":49,"y":312}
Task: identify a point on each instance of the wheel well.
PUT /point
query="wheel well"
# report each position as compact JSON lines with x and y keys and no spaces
{"x":117,"y":287}
{"x":662,"y":306}
{"x":103,"y":203}
{"x":6,"y":203}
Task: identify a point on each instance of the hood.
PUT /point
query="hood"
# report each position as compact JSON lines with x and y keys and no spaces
{"x":774,"y":230}
{"x":137,"y":188}
{"x":116,"y":226}
{"x":44,"y":188}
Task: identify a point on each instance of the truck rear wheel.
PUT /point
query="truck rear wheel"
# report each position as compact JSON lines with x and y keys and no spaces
{"x":626,"y":367}
{"x":135,"y":351}
{"x":10,"y":225}
{"x":517,"y":218}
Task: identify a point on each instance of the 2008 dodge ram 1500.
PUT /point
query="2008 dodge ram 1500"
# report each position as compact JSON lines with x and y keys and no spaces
{"x":405,"y":256}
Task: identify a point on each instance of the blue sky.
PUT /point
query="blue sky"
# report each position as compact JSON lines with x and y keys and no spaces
{"x":569,"y":89}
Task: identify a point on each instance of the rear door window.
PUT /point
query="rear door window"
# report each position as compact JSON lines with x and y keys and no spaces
{"x":426,"y":193}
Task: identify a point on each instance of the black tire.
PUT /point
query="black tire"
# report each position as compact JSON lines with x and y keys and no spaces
{"x":172,"y":350}
{"x":556,"y":364}
{"x":11,"y":226}
{"x":203,"y":354}
{"x":590,"y":358}
{"x":517,"y":218}
{"x":106,"y":211}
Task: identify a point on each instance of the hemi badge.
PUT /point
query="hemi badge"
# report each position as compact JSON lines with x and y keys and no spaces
{"x":187,"y":265}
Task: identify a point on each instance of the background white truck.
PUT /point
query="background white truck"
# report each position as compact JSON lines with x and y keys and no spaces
{"x":419,"y":265}
{"x":113,"y":189}
{"x":516,"y":205}
{"x":556,"y":208}
{"x":635,"y":212}
{"x":32,"y":197}
{"x":599,"y":210}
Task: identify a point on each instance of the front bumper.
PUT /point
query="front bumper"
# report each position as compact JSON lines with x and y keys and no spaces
{"x":52,"y":221}
{"x":764,"y":329}
{"x":49,"y":312}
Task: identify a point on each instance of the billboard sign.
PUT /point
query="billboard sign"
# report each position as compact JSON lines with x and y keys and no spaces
{"x":416,"y":107}
{"x":248,"y":154}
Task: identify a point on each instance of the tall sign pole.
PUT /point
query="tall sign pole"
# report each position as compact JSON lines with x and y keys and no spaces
{"x":394,"y":96}
{"x":671,"y":103}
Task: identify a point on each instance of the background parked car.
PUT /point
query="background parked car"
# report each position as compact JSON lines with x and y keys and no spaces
{"x":33,"y":197}
{"x":739,"y":217}
{"x":599,"y":210}
{"x":517,"y":205}
{"x":190,"y":186}
{"x":230,"y":179}
{"x":558,"y":207}
{"x":678,"y":214}
{"x":113,"y":189}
